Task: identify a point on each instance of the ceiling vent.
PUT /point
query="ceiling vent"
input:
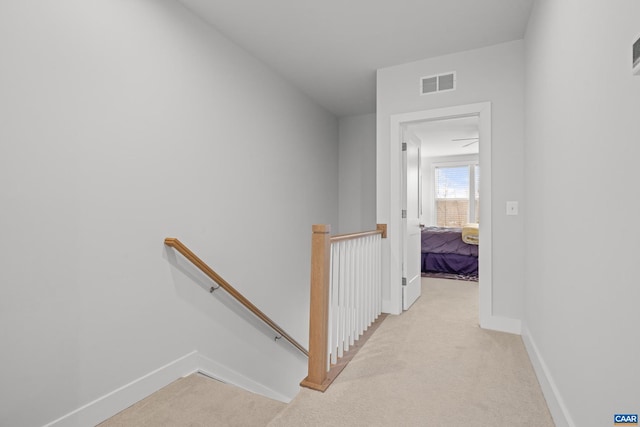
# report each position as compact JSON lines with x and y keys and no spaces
{"x":440,"y":83}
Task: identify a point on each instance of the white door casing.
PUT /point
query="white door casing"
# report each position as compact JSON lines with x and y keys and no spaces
{"x":393,"y":299}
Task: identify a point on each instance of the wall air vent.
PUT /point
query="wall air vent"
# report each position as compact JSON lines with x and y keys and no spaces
{"x":636,"y":58}
{"x":439,"y":83}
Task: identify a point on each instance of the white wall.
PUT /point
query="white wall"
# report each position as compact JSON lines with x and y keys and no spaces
{"x":494,"y":74}
{"x":124,"y":122}
{"x":357,"y":173}
{"x":582,"y":150}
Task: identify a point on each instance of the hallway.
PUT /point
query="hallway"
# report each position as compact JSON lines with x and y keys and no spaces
{"x":431,"y":366}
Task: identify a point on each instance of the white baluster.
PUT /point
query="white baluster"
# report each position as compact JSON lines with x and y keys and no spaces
{"x":354,"y":286}
{"x":378,"y":272}
{"x":342,"y":298}
{"x":362,"y":311}
{"x":356,"y":292}
{"x":374,"y":278}
{"x":358,"y":283}
{"x":371,"y":294}
{"x":369,"y":302}
{"x":333,"y":310}
{"x":347,"y":296}
{"x":365,"y":294}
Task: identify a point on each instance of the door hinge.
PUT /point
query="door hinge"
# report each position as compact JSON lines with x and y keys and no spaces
{"x":404,"y":146}
{"x":404,"y":281}
{"x":404,"y":213}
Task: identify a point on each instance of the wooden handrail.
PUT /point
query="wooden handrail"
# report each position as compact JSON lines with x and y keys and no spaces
{"x":381,"y":229}
{"x":180,"y":247}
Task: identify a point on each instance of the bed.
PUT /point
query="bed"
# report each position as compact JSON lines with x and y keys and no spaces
{"x":444,"y":251}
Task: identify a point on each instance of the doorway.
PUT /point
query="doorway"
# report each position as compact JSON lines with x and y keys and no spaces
{"x":450,"y":170}
{"x":448,"y":201}
{"x":482,"y":111}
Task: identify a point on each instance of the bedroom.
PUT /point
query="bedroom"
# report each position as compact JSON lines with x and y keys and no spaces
{"x":449,"y":196}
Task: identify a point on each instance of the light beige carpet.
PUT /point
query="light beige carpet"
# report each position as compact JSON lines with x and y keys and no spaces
{"x":432,"y":366}
{"x":198,"y":401}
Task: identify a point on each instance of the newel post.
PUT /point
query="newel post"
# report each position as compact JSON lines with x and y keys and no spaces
{"x":319,"y":313}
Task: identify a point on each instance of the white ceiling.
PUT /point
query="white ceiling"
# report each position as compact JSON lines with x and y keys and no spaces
{"x":330,"y":49}
{"x":439,"y":137}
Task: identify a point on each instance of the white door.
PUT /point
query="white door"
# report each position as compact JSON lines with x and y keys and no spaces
{"x":411,"y":222}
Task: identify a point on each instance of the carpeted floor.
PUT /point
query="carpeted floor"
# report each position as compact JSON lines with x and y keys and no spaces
{"x":198,"y":401}
{"x":431,"y":366}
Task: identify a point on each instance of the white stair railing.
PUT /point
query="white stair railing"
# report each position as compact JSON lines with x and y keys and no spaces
{"x":346,"y":298}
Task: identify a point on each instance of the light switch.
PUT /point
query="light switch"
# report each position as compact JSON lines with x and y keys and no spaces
{"x":512,"y":208}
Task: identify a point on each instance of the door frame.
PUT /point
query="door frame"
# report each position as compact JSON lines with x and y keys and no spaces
{"x":483,"y":111}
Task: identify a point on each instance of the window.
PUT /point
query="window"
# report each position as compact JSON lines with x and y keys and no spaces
{"x":457,"y":197}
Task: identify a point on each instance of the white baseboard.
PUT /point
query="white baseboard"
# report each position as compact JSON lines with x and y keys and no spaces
{"x":389,"y":308}
{"x":559,"y":412}
{"x":502,"y":324}
{"x":215,"y":370}
{"x":111,"y":403}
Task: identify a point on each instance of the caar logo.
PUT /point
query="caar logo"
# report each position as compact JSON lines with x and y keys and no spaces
{"x":625,"y":419}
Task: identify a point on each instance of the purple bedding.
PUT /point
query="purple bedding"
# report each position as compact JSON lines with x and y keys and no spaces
{"x":450,"y":263}
{"x":442,"y":240}
{"x":444,"y":251}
